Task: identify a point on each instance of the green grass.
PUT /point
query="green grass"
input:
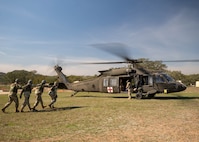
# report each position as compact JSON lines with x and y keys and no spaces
{"x":104,"y":117}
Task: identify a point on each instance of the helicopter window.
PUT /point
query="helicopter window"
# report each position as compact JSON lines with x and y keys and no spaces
{"x":145,"y":80}
{"x":159,"y":79}
{"x":113,"y":82}
{"x":150,"y":79}
{"x":105,"y":82}
{"x":168,"y":78}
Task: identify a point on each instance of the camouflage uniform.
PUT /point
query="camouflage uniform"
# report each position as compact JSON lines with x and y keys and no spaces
{"x":53,"y":95}
{"x":38,"y":92}
{"x":12,"y":96}
{"x":128,"y":87}
{"x":26,"y":90}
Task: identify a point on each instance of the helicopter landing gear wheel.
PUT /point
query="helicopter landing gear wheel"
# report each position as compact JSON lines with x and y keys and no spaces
{"x":139,"y":94}
{"x":150,"y":96}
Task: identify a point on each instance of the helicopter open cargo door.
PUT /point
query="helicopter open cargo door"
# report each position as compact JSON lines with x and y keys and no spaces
{"x":123,"y":82}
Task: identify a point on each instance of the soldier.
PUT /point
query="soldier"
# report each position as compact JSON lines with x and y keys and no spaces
{"x":12,"y":96}
{"x":53,"y":94}
{"x":38,"y":92}
{"x":26,"y":90}
{"x":128,"y":87}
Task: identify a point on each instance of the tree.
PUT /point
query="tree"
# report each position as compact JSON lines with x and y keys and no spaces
{"x":24,"y":76}
{"x":152,"y":65}
{"x":177,"y":75}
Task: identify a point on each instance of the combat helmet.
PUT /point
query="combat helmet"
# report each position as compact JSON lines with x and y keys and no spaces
{"x":43,"y":82}
{"x":30,"y":81}
{"x":16,"y":80}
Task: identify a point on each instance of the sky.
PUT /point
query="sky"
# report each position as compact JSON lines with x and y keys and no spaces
{"x":38,"y":34}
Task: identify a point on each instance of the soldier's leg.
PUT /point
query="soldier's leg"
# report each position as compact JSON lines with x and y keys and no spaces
{"x":42,"y":104}
{"x":51,"y":105}
{"x":10,"y":100}
{"x":15,"y":99}
{"x":37,"y":101}
{"x":129,"y":94}
{"x":22,"y":107}
{"x":54,"y":100}
{"x":24,"y":103}
{"x":28,"y":102}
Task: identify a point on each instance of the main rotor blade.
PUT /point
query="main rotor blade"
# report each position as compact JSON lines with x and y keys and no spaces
{"x":189,"y":60}
{"x":120,"y":62}
{"x":105,"y":62}
{"x":117,"y":49}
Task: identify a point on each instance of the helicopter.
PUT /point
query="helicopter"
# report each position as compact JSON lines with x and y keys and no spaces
{"x":145,"y":84}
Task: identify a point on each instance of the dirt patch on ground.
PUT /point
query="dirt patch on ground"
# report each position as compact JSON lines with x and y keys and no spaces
{"x":192,"y":90}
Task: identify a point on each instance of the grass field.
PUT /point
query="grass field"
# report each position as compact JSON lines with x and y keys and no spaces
{"x":89,"y":117}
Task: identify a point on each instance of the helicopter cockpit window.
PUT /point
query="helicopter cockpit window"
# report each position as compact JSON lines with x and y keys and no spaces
{"x":113,"y":82}
{"x":159,"y":78}
{"x":168,"y":78}
{"x":150,"y":79}
{"x":145,"y":80}
{"x":105,"y":82}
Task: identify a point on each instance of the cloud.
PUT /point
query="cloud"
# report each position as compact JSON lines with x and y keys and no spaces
{"x":70,"y":65}
{"x":185,"y":68}
{"x":177,"y":38}
{"x":11,"y":67}
{"x":19,"y":11}
{"x":2,"y":53}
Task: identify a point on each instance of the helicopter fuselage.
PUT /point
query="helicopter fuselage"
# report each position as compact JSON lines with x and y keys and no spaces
{"x":114,"y":81}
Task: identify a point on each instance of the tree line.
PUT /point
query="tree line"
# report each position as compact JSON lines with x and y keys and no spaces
{"x":24,"y":76}
{"x":177,"y":75}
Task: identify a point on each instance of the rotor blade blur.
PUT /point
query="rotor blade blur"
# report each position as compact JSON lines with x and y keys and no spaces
{"x":104,"y":62}
{"x":117,"y":49}
{"x":191,"y":60}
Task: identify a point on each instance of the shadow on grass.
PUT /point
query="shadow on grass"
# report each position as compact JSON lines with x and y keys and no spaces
{"x":178,"y":97}
{"x":165,"y":98}
{"x":59,"y":109}
{"x":175,"y":98}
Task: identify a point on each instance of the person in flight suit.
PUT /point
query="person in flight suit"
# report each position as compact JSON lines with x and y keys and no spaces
{"x":38,"y":92}
{"x":53,"y":94}
{"x":128,"y":87}
{"x":12,"y":96}
{"x":26,"y":90}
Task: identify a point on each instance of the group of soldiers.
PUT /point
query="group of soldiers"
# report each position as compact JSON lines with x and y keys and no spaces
{"x":26,"y":91}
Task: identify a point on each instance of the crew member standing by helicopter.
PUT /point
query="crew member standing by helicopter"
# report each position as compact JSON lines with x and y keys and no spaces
{"x":53,"y":94}
{"x":26,"y":90}
{"x":38,"y":92}
{"x":138,"y":82}
{"x":128,"y":87}
{"x":13,"y":95}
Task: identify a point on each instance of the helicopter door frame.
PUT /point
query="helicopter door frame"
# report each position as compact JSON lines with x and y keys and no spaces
{"x":110,"y":84}
{"x":123,"y":82}
{"x":147,"y":83}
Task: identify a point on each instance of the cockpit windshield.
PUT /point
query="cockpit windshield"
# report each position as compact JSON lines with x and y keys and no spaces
{"x":168,"y":78}
{"x":159,"y":78}
{"x":163,"y":78}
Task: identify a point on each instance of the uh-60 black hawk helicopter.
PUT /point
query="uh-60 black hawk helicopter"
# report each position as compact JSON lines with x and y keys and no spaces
{"x":145,"y":84}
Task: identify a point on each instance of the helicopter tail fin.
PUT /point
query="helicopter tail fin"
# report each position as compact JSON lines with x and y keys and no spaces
{"x":62,"y":78}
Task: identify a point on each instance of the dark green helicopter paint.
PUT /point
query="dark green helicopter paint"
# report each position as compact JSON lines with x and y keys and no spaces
{"x":114,"y":81}
{"x":144,"y":83}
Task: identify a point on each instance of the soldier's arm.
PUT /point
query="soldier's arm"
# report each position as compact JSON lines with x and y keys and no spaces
{"x":21,"y":92}
{"x":47,"y":85}
{"x":19,"y":86}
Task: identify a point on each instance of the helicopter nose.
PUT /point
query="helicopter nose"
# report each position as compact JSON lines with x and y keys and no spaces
{"x":182,"y":87}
